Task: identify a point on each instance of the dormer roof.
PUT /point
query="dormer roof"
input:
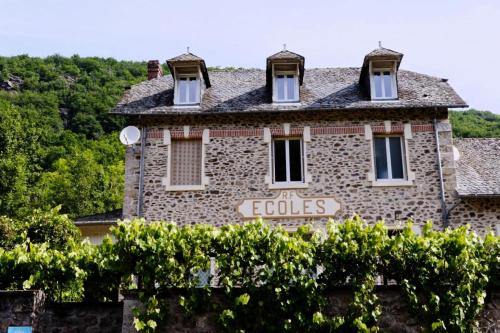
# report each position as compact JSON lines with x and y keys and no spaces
{"x":187,"y":59}
{"x":284,"y":57}
{"x":383,"y":54}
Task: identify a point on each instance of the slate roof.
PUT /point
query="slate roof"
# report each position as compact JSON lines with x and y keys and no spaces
{"x":478,"y":169}
{"x":190,"y":58}
{"x":97,"y":219}
{"x":285,"y":54}
{"x":383,"y":52}
{"x":185,"y":57}
{"x":323,"y":89}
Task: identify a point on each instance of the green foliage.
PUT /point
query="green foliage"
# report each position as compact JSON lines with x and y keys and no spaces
{"x":475,"y":124}
{"x":7,"y":232}
{"x":50,"y":227}
{"x":350,"y":256}
{"x":269,"y":278}
{"x":58,"y":143}
{"x":442,"y":274}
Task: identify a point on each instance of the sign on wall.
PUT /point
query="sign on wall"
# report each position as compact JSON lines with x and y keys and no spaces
{"x":19,"y":329}
{"x":288,"y":204}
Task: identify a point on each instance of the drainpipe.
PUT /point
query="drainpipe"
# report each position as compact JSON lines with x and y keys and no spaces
{"x":441,"y":182}
{"x":140,"y":195}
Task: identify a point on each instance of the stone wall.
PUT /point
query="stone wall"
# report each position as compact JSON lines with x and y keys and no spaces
{"x":20,"y":308}
{"x":338,"y":164}
{"x":483,"y":214}
{"x":80,"y":317}
{"x":395,"y":317}
{"x":237,"y":165}
{"x":28,"y":308}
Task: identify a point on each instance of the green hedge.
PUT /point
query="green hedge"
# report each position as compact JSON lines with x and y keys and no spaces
{"x":274,"y":281}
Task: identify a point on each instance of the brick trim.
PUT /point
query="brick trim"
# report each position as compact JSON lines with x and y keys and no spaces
{"x":338,"y":130}
{"x":197,"y":133}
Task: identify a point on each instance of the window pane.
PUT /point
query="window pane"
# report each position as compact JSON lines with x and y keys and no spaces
{"x":280,"y":86}
{"x":388,"y":84}
{"x":295,"y":160}
{"x":183,"y":90}
{"x":279,"y":161}
{"x":290,"y":87}
{"x":381,"y":159}
{"x":193,"y":90}
{"x":396,"y":158}
{"x":377,"y":81}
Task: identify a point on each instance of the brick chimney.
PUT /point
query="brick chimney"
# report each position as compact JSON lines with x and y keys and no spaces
{"x":154,"y":69}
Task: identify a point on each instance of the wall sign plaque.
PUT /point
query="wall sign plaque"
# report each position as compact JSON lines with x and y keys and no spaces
{"x":19,"y":329}
{"x":288,"y":204}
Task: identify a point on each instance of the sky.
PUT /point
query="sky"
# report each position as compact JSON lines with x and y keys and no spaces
{"x":458,"y":40}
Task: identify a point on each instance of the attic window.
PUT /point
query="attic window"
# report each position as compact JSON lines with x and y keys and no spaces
{"x":286,"y":83}
{"x":383,"y":80}
{"x":188,"y":86}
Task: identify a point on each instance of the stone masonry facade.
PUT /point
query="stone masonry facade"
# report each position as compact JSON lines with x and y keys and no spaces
{"x":337,"y":113}
{"x":28,"y":308}
{"x":338,"y":160}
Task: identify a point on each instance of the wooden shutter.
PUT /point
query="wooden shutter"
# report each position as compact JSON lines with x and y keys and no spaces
{"x":186,"y":162}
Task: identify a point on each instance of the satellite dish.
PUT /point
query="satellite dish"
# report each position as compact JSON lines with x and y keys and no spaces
{"x":456,"y":154}
{"x":130,"y":135}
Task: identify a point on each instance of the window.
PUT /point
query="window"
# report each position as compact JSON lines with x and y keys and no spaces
{"x":186,"y":163}
{"x":383,"y":85}
{"x":285,"y":88}
{"x":286,"y":84}
{"x":389,"y":158}
{"x":287,"y":161}
{"x":188,"y":90}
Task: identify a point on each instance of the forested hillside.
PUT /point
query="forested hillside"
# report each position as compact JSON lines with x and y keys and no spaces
{"x":58,"y":144}
{"x":475,"y":124}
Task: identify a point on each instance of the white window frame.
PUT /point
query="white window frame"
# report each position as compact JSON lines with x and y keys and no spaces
{"x":409,"y":175}
{"x":295,"y":82}
{"x":287,"y":160}
{"x":306,"y":177}
{"x":389,"y":157}
{"x":394,"y":86}
{"x":204,"y":179}
{"x":177,"y":90}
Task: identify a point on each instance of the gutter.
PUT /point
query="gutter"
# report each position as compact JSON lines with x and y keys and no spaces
{"x":475,"y":196}
{"x":209,"y":112}
{"x":140,"y":196}
{"x":441,"y":181}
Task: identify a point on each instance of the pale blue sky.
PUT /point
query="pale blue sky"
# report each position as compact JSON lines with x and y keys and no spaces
{"x":459,"y":40}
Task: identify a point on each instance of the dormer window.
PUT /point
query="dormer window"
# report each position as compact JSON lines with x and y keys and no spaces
{"x":286,"y":83}
{"x":383,"y":80}
{"x":383,"y":86}
{"x":188,"y":90}
{"x":378,"y":78}
{"x":188,"y":71}
{"x":284,"y":75}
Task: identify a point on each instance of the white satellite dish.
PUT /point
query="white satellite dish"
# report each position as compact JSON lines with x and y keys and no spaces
{"x":456,"y":154}
{"x":130,"y":135}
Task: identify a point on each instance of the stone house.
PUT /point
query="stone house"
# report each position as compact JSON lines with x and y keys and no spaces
{"x":300,"y":145}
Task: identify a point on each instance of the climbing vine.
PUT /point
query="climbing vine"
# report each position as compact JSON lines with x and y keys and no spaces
{"x":268,"y":279}
{"x":442,"y":274}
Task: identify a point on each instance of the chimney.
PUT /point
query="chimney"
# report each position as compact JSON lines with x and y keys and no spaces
{"x":154,"y":69}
